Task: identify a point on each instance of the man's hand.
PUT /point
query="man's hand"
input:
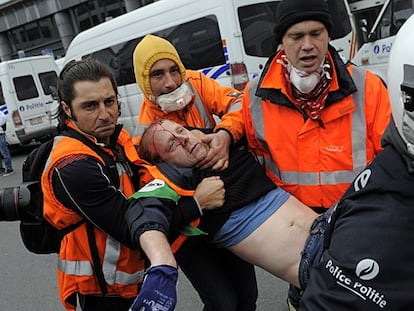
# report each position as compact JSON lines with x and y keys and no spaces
{"x":158,"y":292}
{"x":210,"y":193}
{"x":218,"y":156}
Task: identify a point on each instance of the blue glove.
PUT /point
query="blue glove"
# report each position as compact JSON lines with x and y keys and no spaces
{"x":158,"y":292}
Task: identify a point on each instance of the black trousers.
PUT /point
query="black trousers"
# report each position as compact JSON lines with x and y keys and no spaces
{"x":224,"y":281}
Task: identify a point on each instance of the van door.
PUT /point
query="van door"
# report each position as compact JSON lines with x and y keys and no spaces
{"x":32,"y":82}
{"x":46,"y":75}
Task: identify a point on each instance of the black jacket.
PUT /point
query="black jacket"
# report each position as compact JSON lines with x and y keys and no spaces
{"x":368,"y":261}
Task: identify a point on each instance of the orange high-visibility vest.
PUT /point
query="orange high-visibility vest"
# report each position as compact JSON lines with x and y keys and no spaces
{"x":316,"y":164}
{"x":123,"y":267}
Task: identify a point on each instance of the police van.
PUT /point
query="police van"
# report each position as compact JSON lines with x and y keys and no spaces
{"x":27,"y":86}
{"x":227,"y":40}
{"x":377,"y":23}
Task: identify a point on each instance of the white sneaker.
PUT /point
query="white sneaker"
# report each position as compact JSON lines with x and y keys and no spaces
{"x":8,"y":173}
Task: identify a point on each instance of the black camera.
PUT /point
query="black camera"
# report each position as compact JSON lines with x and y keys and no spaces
{"x":16,"y":203}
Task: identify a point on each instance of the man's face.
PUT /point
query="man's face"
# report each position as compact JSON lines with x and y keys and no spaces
{"x":165,"y":77}
{"x":176,"y":145}
{"x":306,"y":44}
{"x":94,"y":108}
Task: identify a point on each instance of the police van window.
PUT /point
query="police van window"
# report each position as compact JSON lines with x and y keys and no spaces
{"x":119,"y":58}
{"x":364,"y":21}
{"x":257,"y":22}
{"x":401,"y":10}
{"x":198,"y":42}
{"x":25,"y":87}
{"x":397,"y":12}
{"x":339,"y":15}
{"x":48,"y":81}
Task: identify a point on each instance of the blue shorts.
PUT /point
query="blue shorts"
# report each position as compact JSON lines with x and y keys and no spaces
{"x":244,"y":221}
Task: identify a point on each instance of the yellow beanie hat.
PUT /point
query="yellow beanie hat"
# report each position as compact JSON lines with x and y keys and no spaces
{"x":147,"y":52}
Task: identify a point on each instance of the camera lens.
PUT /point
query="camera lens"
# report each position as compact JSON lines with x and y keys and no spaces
{"x":9,"y":204}
{"x":15,"y":202}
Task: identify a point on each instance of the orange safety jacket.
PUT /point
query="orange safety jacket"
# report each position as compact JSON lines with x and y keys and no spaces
{"x":123,"y":267}
{"x":209,"y":99}
{"x":316,"y":164}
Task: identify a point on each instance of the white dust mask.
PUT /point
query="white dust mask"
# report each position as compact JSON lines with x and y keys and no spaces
{"x":176,"y":100}
{"x":303,"y":81}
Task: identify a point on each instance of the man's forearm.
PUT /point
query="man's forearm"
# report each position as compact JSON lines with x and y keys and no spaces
{"x":160,"y":281}
{"x":156,"y":247}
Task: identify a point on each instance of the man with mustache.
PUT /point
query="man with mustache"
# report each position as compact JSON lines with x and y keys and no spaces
{"x":86,"y":184}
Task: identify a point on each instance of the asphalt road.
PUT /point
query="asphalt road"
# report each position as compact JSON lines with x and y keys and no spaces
{"x":28,"y":281}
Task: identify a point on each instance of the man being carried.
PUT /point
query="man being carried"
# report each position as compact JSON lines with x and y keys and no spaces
{"x":258,"y":219}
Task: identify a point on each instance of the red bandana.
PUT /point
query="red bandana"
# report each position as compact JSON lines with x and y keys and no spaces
{"x":313,"y":103}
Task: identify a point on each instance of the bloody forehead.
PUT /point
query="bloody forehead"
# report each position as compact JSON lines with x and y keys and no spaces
{"x":157,"y":127}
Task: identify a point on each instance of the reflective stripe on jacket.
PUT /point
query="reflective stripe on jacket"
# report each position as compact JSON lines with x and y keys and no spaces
{"x":210,"y":99}
{"x":123,"y":268}
{"x":316,"y":164}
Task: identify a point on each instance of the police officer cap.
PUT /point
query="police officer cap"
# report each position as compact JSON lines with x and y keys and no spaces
{"x":290,"y":12}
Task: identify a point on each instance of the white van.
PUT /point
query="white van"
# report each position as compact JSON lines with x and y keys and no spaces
{"x":227,"y":40}
{"x":377,"y":23}
{"x":26,"y":89}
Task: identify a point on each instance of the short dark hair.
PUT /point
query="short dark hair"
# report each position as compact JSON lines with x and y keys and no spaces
{"x":88,"y":69}
{"x":143,"y":148}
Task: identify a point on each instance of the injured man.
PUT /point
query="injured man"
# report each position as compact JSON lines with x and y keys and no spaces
{"x":259,"y":221}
